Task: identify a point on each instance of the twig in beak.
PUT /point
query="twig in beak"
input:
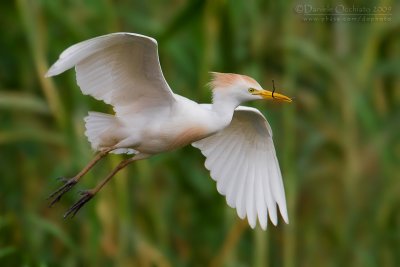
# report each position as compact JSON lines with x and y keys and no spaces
{"x":273,"y":87}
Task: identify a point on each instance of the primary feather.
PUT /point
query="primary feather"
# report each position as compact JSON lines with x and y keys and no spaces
{"x":248,"y":173}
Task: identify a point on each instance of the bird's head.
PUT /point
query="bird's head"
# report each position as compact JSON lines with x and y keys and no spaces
{"x":243,"y":88}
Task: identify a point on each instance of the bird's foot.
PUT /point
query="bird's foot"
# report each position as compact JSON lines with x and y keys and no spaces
{"x":68,"y":184}
{"x":85,"y":197}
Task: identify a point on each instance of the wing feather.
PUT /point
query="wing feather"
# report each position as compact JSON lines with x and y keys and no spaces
{"x":242,"y":160}
{"x":217,"y":152}
{"x":282,"y":202}
{"x":233,"y":178}
{"x":268,"y":196}
{"x":262,"y":208}
{"x":238,"y":194}
{"x":121,"y":69}
{"x":224,"y":161}
{"x":229,"y":174}
{"x":249,"y":196}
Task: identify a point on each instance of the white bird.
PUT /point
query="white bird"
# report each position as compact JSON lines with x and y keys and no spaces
{"x":123,"y":70}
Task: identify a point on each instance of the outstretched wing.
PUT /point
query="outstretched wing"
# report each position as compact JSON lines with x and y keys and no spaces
{"x":122,"y":69}
{"x":242,"y":160}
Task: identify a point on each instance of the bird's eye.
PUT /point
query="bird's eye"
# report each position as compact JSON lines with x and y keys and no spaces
{"x":252,"y":90}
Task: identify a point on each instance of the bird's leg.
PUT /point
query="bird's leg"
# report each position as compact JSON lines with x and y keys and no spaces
{"x":69,"y":183}
{"x":89,"y":194}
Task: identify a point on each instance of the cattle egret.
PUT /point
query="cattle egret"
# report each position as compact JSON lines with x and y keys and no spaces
{"x":123,"y":70}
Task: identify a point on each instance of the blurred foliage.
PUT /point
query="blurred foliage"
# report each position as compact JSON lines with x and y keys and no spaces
{"x":338,"y":145}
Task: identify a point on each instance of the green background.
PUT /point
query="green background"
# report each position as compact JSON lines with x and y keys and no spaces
{"x":338,"y":143}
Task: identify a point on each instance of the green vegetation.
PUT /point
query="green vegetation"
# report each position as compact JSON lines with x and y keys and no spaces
{"x":338,"y":144}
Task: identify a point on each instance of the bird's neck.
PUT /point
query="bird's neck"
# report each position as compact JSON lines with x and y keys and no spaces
{"x":223,"y":106}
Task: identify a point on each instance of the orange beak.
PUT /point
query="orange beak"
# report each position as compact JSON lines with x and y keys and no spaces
{"x":274,"y":96}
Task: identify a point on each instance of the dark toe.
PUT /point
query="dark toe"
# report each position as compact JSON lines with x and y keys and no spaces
{"x":56,"y":196}
{"x":86,"y":196}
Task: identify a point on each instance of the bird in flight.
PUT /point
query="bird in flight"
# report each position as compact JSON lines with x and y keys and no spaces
{"x":123,"y":70}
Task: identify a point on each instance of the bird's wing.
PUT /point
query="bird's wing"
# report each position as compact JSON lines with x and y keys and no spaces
{"x":122,"y":69}
{"x":242,"y":160}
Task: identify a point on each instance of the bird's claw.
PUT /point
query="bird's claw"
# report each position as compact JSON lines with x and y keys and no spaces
{"x":85,"y":197}
{"x":68,"y":184}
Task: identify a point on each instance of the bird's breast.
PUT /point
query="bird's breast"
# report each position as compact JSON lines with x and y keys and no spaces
{"x":187,"y":136}
{"x":162,"y":140}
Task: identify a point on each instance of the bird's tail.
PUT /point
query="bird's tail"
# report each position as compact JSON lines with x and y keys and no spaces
{"x":99,"y":129}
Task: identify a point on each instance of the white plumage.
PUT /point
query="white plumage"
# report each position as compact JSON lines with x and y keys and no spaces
{"x":241,"y":159}
{"x":123,"y":70}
